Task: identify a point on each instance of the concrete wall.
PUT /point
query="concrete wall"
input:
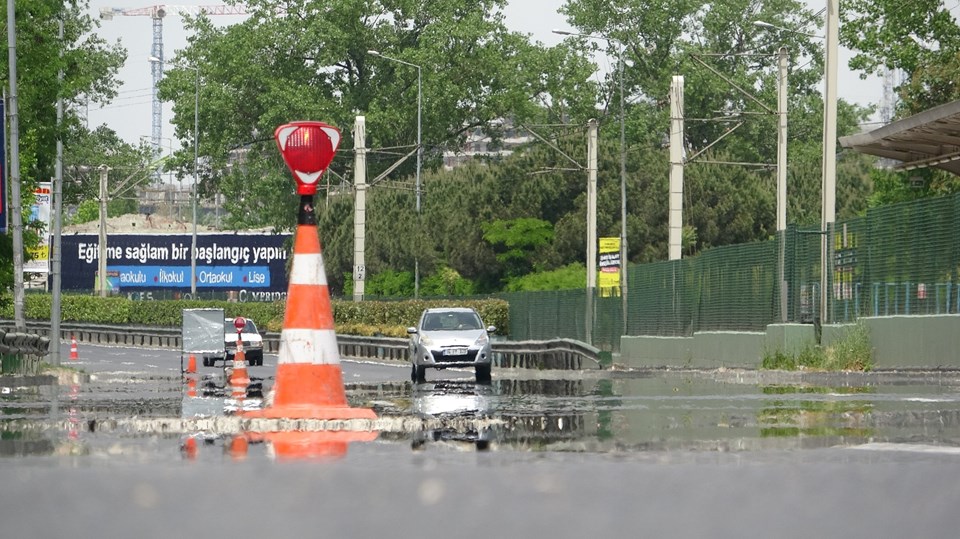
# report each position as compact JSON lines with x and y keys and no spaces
{"x":916,"y":341}
{"x":898,"y":342}
{"x":705,"y":350}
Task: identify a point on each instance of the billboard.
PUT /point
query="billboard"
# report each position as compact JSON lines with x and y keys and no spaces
{"x":40,"y":213}
{"x":253,"y":265}
{"x":609,"y":276}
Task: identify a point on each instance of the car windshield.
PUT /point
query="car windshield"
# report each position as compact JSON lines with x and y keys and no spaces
{"x":228,"y":327}
{"x":451,"y":321}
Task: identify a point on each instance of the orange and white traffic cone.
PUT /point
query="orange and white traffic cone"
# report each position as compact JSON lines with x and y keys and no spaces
{"x":192,"y":364}
{"x":238,"y":375}
{"x":74,"y":354}
{"x":309,"y":381}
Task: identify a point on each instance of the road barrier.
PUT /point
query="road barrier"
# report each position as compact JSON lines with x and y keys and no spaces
{"x":561,"y":354}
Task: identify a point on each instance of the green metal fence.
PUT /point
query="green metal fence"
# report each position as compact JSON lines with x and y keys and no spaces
{"x":898,"y":259}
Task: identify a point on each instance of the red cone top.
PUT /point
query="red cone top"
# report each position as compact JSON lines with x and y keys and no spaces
{"x":307,"y":148}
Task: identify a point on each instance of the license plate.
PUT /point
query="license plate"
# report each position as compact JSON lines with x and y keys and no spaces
{"x":455,"y":352}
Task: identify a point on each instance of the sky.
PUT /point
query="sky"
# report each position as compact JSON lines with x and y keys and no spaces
{"x":130,"y":113}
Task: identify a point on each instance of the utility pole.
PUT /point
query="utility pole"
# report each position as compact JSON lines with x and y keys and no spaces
{"x":592,"y":128}
{"x":624,"y":252}
{"x":782,"y":175}
{"x":829,"y":184}
{"x":676,"y":167}
{"x":15,"y":200}
{"x":360,"y":206}
{"x":102,"y":252}
{"x":56,"y":258}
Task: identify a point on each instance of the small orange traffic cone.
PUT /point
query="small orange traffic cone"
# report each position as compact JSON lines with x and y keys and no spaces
{"x":309,"y":382}
{"x":238,"y":375}
{"x":74,"y":354}
{"x":191,"y":387}
{"x":192,"y":364}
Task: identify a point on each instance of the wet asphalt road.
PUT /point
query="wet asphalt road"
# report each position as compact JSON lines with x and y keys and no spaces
{"x":646,"y":454}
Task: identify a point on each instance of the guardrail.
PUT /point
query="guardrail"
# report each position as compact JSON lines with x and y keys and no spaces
{"x":563,"y":354}
{"x":22,"y":344}
{"x":553,"y":354}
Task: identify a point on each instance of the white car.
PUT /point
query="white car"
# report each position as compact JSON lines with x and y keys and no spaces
{"x":450,"y":337}
{"x":252,"y":341}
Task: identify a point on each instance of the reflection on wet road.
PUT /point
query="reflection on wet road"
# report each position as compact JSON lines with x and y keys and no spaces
{"x":153,"y":414}
{"x":685,"y":411}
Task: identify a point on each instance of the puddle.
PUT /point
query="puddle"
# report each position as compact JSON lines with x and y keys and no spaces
{"x":158,"y":417}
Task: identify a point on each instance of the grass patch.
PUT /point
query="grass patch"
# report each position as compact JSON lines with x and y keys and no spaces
{"x":852,"y":352}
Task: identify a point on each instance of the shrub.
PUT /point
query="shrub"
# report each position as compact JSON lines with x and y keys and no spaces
{"x":365,"y":317}
{"x":851,"y":352}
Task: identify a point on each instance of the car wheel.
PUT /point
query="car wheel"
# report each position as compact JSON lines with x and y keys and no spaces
{"x":418,"y":374}
{"x":483,"y":373}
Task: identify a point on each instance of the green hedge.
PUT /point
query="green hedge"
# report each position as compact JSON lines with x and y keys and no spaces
{"x":366,"y":317}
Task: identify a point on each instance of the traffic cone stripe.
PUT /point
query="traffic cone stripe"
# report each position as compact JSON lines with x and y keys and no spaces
{"x":308,"y":307}
{"x":308,"y":346}
{"x":309,"y":385}
{"x":308,"y":270}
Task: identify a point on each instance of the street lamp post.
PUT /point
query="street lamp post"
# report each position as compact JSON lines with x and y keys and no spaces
{"x":416,"y":256}
{"x":196,"y":178}
{"x":102,"y":243}
{"x":623,"y":171}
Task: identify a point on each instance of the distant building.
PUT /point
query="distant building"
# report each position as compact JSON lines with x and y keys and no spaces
{"x":479,"y":144}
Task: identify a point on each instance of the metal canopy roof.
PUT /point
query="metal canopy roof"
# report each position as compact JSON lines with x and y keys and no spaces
{"x":928,"y":139}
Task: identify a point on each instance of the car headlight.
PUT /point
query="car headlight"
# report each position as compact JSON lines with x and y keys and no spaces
{"x":425,"y":340}
{"x":482,"y":340}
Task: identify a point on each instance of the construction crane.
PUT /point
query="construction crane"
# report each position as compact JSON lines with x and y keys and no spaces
{"x":156,"y":14}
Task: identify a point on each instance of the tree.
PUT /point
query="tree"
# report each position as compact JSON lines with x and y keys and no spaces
{"x":922,"y":40}
{"x":314,"y":63}
{"x":88,"y":151}
{"x":89,"y":67}
{"x":568,"y":277}
{"x":517,"y":241}
{"x":719,"y":51}
{"x":920,"y":37}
